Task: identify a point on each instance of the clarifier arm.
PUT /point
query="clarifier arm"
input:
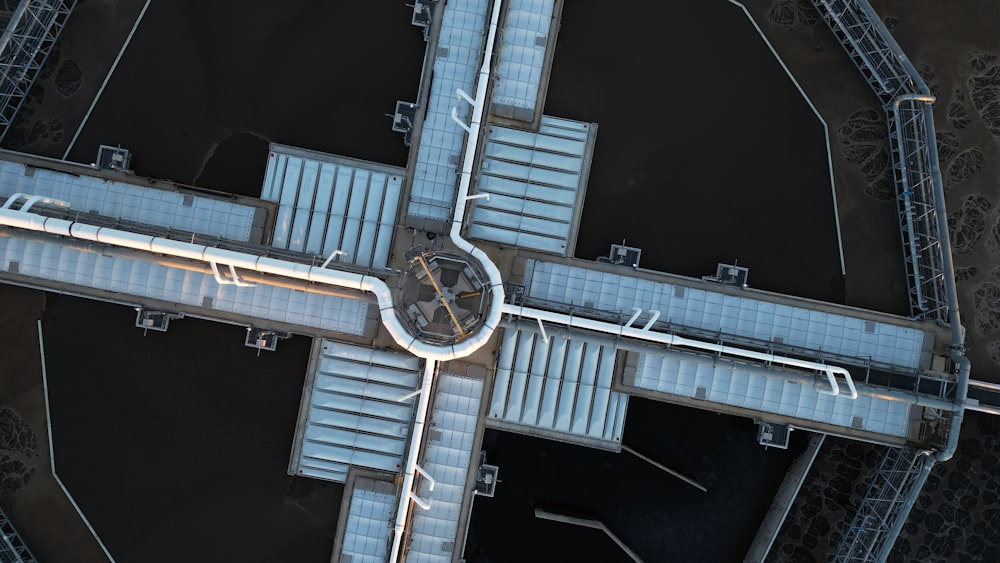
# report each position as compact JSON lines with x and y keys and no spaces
{"x":626,"y":331}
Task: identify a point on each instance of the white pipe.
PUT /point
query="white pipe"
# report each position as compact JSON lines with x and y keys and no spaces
{"x":426,"y":505}
{"x":411,"y":460}
{"x":236,"y":278}
{"x":635,"y":315}
{"x":495,"y":312}
{"x":652,"y":320}
{"x":333,"y":255}
{"x":265,"y":265}
{"x":218,"y":277}
{"x":541,"y":328}
{"x":673,"y":340}
{"x":10,"y":200}
{"x":427,"y":476}
{"x":383,"y":294}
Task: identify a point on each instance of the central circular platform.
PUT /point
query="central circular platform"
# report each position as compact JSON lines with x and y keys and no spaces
{"x":441,"y":296}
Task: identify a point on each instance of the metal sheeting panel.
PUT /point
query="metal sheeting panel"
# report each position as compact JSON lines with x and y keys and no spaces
{"x":447,"y":458}
{"x":739,"y":316}
{"x":534,"y":181}
{"x":560,"y":386}
{"x":369,"y":523}
{"x":60,"y":263}
{"x":463,"y":26}
{"x":738,"y":387}
{"x":328,"y":203}
{"x":522,"y":57}
{"x":120,"y":200}
{"x":352,"y":414}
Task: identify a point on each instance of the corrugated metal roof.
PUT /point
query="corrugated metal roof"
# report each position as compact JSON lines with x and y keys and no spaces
{"x":731,"y":315}
{"x":120,"y":200}
{"x":369,"y":522}
{"x":442,"y":141}
{"x":57,"y":262}
{"x":535,"y":182}
{"x":447,"y":458}
{"x":522,"y":57}
{"x":328,"y":203}
{"x":676,"y":375}
{"x":561,"y":387}
{"x":352,"y":415}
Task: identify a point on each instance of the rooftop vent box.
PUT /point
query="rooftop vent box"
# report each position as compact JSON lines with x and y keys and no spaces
{"x":772,"y":434}
{"x":729,"y":274}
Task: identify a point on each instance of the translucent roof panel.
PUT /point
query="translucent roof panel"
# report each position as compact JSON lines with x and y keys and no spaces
{"x":57,"y":262}
{"x":328,"y":203}
{"x":535,"y":182}
{"x":560,"y":387}
{"x":350,"y":413}
{"x":442,"y":141}
{"x":121,"y":200}
{"x":684,"y":376}
{"x":684,"y":306}
{"x":447,"y":458}
{"x":369,"y":522}
{"x":522,"y":58}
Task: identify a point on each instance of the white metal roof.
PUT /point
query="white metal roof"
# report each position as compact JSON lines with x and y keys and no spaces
{"x":740,"y":316}
{"x":328,"y":203}
{"x":369,"y":522}
{"x":447,"y":458}
{"x":522,"y":56}
{"x":441,"y":143}
{"x":121,"y":200}
{"x":58,"y":262}
{"x":561,"y":387}
{"x":535,"y":181}
{"x":351,"y":412}
{"x":679,"y":376}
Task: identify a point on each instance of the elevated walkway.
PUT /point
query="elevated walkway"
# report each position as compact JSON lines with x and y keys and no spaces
{"x":121,"y":197}
{"x":672,"y":303}
{"x":919,"y":189}
{"x":12,"y":547}
{"x":30,"y":33}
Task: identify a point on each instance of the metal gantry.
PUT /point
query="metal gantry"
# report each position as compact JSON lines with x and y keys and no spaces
{"x":884,"y":509}
{"x":30,"y":34}
{"x":907,"y":104}
{"x":923,"y":224}
{"x":911,"y":124}
{"x":12,"y":548}
{"x":870,"y":46}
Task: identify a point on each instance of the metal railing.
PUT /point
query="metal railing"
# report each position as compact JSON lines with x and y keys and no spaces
{"x":12,"y":548}
{"x":884,"y":509}
{"x":926,"y":251}
{"x":31,"y":32}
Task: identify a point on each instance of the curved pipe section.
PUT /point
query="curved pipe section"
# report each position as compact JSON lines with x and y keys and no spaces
{"x":261,"y":264}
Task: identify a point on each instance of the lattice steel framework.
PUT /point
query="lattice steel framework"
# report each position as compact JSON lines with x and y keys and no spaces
{"x":926,"y":252}
{"x":12,"y":548}
{"x":871,"y":47}
{"x":911,"y":124}
{"x":885,"y":507}
{"x":907,"y":100}
{"x":30,"y":34}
